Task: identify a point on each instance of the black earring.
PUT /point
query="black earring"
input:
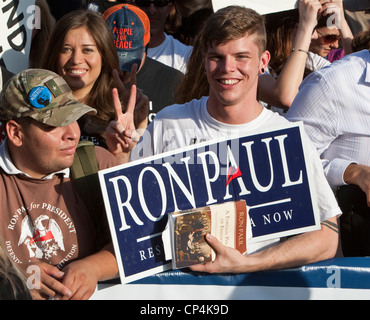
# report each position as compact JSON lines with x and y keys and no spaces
{"x":262,"y":70}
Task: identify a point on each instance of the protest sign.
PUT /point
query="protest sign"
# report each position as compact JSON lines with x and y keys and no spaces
{"x":17,"y":22}
{"x":272,"y":6}
{"x":268,"y":170}
{"x":261,"y":6}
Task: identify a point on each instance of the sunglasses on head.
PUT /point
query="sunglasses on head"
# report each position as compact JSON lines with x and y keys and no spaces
{"x":329,"y":38}
{"x":146,"y":3}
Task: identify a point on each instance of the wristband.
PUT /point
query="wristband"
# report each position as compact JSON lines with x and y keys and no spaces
{"x":305,"y":51}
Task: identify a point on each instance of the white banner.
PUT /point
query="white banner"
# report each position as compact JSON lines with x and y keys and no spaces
{"x":17,"y":21}
{"x":261,"y":6}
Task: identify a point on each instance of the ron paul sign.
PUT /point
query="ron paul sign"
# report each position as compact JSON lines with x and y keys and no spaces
{"x":267,"y":169}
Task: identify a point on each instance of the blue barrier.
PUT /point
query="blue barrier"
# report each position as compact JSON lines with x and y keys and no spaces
{"x":340,"y":278}
{"x":355,"y":274}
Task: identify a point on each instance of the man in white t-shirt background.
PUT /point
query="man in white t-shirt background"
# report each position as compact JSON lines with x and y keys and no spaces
{"x":163,"y":47}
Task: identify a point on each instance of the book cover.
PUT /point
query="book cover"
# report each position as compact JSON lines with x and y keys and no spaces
{"x":226,"y":221}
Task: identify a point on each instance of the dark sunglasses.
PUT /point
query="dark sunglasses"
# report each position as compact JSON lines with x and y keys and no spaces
{"x":157,"y":3}
{"x":329,"y":38}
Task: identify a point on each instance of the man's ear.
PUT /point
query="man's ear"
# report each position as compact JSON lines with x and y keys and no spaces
{"x":265,"y":59}
{"x":14,"y":132}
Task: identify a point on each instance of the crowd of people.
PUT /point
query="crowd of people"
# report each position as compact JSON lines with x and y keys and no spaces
{"x":134,"y":78}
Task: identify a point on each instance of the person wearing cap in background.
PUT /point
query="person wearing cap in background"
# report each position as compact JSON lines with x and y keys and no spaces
{"x":45,"y":224}
{"x":81,"y":50}
{"x":130,"y":27}
{"x":163,"y":47}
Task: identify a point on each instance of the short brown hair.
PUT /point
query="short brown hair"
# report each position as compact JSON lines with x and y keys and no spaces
{"x":232,"y":23}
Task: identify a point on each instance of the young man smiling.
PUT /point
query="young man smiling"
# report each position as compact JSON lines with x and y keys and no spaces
{"x":232,"y":70}
{"x":233,"y":43}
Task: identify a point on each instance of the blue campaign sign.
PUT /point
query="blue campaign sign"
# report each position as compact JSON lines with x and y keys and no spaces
{"x":268,"y":170}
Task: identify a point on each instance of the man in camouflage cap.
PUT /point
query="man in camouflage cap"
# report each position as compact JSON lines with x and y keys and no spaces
{"x":42,"y":95}
{"x":44,"y":223}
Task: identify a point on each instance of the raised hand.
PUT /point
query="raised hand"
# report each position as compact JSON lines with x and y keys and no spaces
{"x":335,"y":8}
{"x":308,"y":13}
{"x":142,"y":101}
{"x":121,"y":135}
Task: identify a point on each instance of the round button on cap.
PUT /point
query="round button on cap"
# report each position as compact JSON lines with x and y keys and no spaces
{"x":40,"y":97}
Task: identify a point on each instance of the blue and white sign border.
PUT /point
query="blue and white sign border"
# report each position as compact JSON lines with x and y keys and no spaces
{"x":167,"y":266}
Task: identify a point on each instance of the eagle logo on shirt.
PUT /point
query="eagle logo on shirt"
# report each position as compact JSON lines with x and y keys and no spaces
{"x":43,"y":237}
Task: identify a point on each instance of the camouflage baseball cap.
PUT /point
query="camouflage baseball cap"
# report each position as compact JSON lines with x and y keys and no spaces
{"x":42,"y":95}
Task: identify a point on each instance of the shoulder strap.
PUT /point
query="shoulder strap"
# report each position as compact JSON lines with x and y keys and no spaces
{"x":84,"y":163}
{"x":84,"y":172}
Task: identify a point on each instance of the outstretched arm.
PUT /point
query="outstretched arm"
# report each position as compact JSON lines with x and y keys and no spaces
{"x":306,"y":248}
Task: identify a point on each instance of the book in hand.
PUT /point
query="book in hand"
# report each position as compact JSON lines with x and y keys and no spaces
{"x":226,"y":221}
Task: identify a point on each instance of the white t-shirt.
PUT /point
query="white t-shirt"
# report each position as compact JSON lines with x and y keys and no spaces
{"x":172,"y":53}
{"x":315,"y":62}
{"x":178,"y":126}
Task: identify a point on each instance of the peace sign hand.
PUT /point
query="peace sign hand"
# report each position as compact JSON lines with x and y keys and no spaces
{"x":142,"y":102}
{"x":121,"y":135}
